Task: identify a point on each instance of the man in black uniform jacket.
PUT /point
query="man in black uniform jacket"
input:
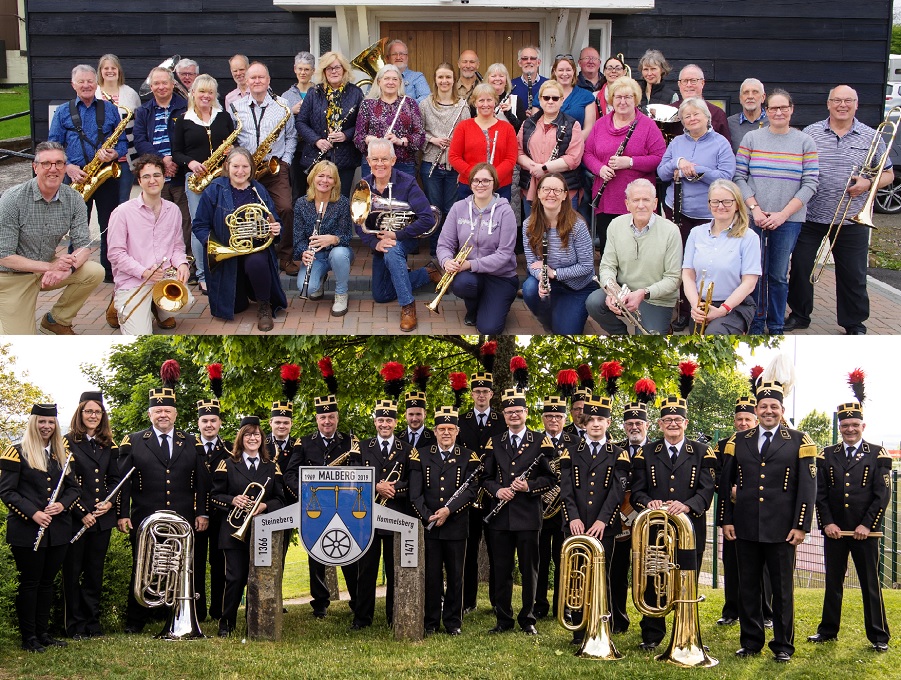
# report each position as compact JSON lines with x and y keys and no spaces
{"x":774,"y":470}
{"x":436,"y":472}
{"x":576,"y":428}
{"x":211,"y":449}
{"x":853,"y":491}
{"x":677,"y":472}
{"x":477,"y":427}
{"x":550,"y":540}
{"x":416,"y":434}
{"x":593,"y":479}
{"x":389,"y":456}
{"x":324,"y":447}
{"x":514,"y":529}
{"x":169,"y":475}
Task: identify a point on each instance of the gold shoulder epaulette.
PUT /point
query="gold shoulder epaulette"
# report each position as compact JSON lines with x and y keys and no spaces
{"x":222,"y":467}
{"x":490,"y":445}
{"x":711,"y":453}
{"x":474,"y":457}
{"x":639,"y":455}
{"x":10,"y":454}
{"x":414,"y":454}
{"x":808,"y":448}
{"x":278,"y":470}
{"x":729,"y":448}
{"x":624,"y":457}
{"x":546,"y":442}
{"x":125,"y":441}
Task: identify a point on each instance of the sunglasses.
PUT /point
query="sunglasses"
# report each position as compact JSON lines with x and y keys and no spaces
{"x":550,"y":98}
{"x":564,"y":56}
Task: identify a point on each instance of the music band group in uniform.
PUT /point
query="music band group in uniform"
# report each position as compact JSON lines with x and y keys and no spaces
{"x":476,"y":168}
{"x":478,"y":471}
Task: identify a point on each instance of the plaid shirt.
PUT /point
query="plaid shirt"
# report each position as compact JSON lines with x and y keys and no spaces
{"x":33,"y":227}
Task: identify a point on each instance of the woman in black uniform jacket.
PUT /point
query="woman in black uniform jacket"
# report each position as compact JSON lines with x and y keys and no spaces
{"x":249,"y":462}
{"x":29,"y":472}
{"x":94,"y":464}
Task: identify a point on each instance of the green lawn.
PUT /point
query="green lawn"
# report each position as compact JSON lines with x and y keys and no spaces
{"x":12,"y":101}
{"x":327,"y":649}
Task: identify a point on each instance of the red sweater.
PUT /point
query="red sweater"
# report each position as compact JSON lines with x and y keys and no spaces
{"x":468,"y":147}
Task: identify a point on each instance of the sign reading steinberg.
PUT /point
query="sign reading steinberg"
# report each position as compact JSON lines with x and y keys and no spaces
{"x":337,"y":516}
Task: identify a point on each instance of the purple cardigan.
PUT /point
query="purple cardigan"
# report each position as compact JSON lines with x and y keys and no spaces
{"x":493,"y":242}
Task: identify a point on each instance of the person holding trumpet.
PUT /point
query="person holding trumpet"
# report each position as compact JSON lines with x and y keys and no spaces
{"x":144,"y":241}
{"x":721,"y":265}
{"x":247,"y":482}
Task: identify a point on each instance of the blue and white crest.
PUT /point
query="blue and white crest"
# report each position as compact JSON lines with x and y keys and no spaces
{"x":336,"y":512}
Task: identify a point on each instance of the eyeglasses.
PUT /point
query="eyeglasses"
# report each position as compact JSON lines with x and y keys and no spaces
{"x":721,"y":202}
{"x":478,"y":182}
{"x":155,"y":175}
{"x":379,"y":161}
{"x":838,"y":102}
{"x":691,"y":81}
{"x":779,"y":109}
{"x":46,"y":165}
{"x":91,"y":412}
{"x":551,"y":191}
{"x":623,"y":97}
{"x":334,"y":67}
{"x":255,"y":435}
{"x":553,"y":416}
{"x":564,"y":56}
{"x":590,"y":60}
{"x":514,"y":412}
{"x":611,"y":67}
{"x":550,"y":98}
{"x":400,"y":54}
{"x":672,"y":421}
{"x":525,"y":58}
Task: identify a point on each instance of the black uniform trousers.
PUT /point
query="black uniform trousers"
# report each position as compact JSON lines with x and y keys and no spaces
{"x":619,"y":564}
{"x":206,"y":547}
{"x":368,"y":564}
{"x":866,"y":561}
{"x":850,"y":253}
{"x":550,"y":543}
{"x":506,"y":546}
{"x":779,"y":560}
{"x":319,"y":590}
{"x":237,"y":568}
{"x":83,"y":582}
{"x":442,"y":557}
{"x":732,"y":589}
{"x":37,"y":572}
{"x":471,"y":566}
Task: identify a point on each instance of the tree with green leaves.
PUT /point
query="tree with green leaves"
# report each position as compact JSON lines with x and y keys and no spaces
{"x":17,"y":396}
{"x":819,"y":426}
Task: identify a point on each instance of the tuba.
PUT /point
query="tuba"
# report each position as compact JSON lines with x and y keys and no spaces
{"x":384,"y":214}
{"x":370,"y":60}
{"x":98,"y":171}
{"x":583,"y":587}
{"x":240,"y":519}
{"x":169,"y":65}
{"x":215,"y":164}
{"x":249,"y":232}
{"x":164,"y":572}
{"x":660,"y":584}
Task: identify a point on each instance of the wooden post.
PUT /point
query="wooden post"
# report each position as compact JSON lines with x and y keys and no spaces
{"x":264,"y":592}
{"x":331,"y":582}
{"x":409,"y":592}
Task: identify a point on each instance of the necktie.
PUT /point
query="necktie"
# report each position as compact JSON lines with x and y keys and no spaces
{"x":49,"y":457}
{"x":164,"y":445}
{"x":595,"y":448}
{"x":481,"y":420}
{"x":673,"y":454}
{"x":633,"y":449}
{"x":327,"y":442}
{"x":515,"y":441}
{"x":384,"y":449}
{"x":554,"y":439}
{"x":253,"y":464}
{"x":444,"y":455}
{"x":413,"y":439}
{"x":209,"y":449}
{"x":94,"y":445}
{"x":766,"y":444}
{"x":850,"y":452}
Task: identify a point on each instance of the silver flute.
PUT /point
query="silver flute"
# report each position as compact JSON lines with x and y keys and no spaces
{"x":53,"y":497}
{"x":109,"y":497}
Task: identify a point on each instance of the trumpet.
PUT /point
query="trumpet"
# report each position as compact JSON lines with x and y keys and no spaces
{"x":704,"y":301}
{"x":169,"y":295}
{"x":393,"y":476}
{"x":240,"y":519}
{"x":448,"y":277}
{"x":354,"y":450}
{"x":619,"y":293}
{"x":870,"y":169}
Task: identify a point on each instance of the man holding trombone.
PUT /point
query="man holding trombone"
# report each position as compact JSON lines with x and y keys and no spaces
{"x":852,"y":157}
{"x":144,"y":241}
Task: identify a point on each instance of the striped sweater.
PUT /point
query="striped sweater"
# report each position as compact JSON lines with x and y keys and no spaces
{"x":774,"y":168}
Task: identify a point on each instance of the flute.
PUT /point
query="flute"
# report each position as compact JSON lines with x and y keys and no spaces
{"x":53,"y":497}
{"x":105,"y":500}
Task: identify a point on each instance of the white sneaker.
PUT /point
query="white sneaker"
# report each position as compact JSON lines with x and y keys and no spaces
{"x":339,"y":307}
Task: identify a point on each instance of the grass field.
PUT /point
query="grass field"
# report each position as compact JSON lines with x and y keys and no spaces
{"x":327,"y":649}
{"x":12,"y":101}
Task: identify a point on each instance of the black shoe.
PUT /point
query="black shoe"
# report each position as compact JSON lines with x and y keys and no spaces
{"x":96,"y":634}
{"x":224,"y":632}
{"x":453,"y":631}
{"x":530,"y":630}
{"x":500,"y":629}
{"x":81,"y":636}
{"x":793,"y":323}
{"x":726,"y":621}
{"x":619,"y":631}
{"x":648,"y":646}
{"x":318,"y":615}
{"x":880,"y":646}
{"x":744,"y":653}
{"x":430,"y":631}
{"x":782,"y":657}
{"x":32,"y":644}
{"x":133,"y":630}
{"x":48,"y":641}
{"x":541,"y":613}
{"x":576,"y":641}
{"x":358,"y":626}
{"x":680,"y":324}
{"x":856,"y":330}
{"x":469,"y":319}
{"x":768,"y":623}
{"x":819,"y":637}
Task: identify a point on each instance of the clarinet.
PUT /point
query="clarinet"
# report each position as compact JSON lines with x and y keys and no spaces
{"x":305,"y":289}
{"x":619,"y":152}
{"x":677,"y":198}
{"x":53,"y":497}
{"x":529,"y":87}
{"x":463,"y":487}
{"x":545,"y":281}
{"x":443,"y":152}
{"x":523,"y":477}
{"x":307,"y":170}
{"x":105,"y":500}
{"x":501,"y":103}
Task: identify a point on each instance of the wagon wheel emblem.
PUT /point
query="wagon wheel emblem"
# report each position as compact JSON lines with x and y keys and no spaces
{"x":336,"y":543}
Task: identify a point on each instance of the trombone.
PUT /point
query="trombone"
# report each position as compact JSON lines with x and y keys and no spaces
{"x":870,"y":169}
{"x":448,"y":277}
{"x":168,"y":294}
{"x":705,"y":299}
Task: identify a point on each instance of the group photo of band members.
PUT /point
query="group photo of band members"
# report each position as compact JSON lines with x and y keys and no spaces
{"x":603,"y":191}
{"x":565,"y":510}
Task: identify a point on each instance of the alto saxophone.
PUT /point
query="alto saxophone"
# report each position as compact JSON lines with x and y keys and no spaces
{"x":215,"y":164}
{"x":263,"y":148}
{"x":99,"y":171}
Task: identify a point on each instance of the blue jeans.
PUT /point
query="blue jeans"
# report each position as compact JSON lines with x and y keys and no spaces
{"x":776,"y":247}
{"x":196,"y":246}
{"x":126,"y":182}
{"x":463,"y":191}
{"x":409,"y":168}
{"x":563,"y":311}
{"x":390,"y":278}
{"x":487,"y":297}
{"x":441,"y":188}
{"x":336,"y":259}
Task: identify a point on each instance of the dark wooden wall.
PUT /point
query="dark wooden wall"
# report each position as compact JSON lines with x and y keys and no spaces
{"x":803,"y":46}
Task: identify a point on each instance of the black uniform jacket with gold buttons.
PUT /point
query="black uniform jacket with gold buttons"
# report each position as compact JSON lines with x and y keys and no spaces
{"x":856,"y":492}
{"x":723,"y":492}
{"x":398,"y":459}
{"x":26,"y":490}
{"x":503,"y":464}
{"x":425,"y":439}
{"x":690,"y":481}
{"x":97,"y":473}
{"x":773,"y":495}
{"x":476,"y":438}
{"x":180,"y":484}
{"x":593,"y":487}
{"x":432,"y":483}
{"x":311,"y":450}
{"x":282,"y":457}
{"x":231,"y":479}
{"x":221,"y":450}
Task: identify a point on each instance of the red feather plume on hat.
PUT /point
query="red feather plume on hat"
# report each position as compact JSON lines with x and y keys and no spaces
{"x":645,"y":390}
{"x":755,"y":378}
{"x":290,"y":374}
{"x":214,"y":371}
{"x":586,"y":377}
{"x":487,"y":355}
{"x":855,"y":380}
{"x":328,"y":374}
{"x":459,"y":383}
{"x":686,"y":377}
{"x":421,"y":375}
{"x":520,"y":371}
{"x":567,"y":379}
{"x":611,"y":372}
{"x":170,"y":372}
{"x":392,"y":373}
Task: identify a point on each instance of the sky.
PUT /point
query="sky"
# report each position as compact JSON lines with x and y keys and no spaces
{"x":822,"y":364}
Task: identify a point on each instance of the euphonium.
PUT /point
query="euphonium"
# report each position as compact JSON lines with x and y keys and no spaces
{"x":385,"y":214}
{"x":583,"y":588}
{"x":448,"y":277}
{"x":240,"y":519}
{"x":164,"y":572}
{"x":169,"y":65}
{"x":270,"y":167}
{"x":249,"y":232}
{"x":99,"y":171}
{"x":665,"y":579}
{"x":370,"y":61}
{"x":215,"y":164}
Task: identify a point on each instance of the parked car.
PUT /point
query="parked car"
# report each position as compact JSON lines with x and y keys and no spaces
{"x":892,"y":90}
{"x":888,"y":199}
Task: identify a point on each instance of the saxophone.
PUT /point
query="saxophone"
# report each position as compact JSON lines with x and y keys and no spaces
{"x":215,"y":164}
{"x":99,"y":171}
{"x":259,"y":156}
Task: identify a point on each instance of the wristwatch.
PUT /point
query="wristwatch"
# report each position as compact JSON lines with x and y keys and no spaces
{"x":753,"y":207}
{"x":544,"y":167}
{"x":647,"y":294}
